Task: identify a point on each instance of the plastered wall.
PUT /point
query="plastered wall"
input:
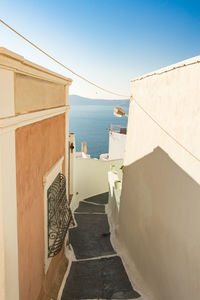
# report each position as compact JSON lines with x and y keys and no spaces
{"x":91,"y":177}
{"x":33,"y":136}
{"x":2,"y":258}
{"x":117,"y":143}
{"x":160,"y":202}
{"x":27,"y":87}
{"x":32,"y":162}
{"x":32,"y":94}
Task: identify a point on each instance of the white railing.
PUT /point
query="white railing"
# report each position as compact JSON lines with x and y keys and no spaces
{"x":118,"y":128}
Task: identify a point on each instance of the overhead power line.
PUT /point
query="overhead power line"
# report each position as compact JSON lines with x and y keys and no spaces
{"x":106,"y":90}
{"x":62,"y":65}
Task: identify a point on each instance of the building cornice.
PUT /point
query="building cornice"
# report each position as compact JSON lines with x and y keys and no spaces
{"x":14,"y":122}
{"x":17,"y":63}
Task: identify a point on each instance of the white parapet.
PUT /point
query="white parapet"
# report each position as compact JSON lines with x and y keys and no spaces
{"x":117,"y":143}
{"x":91,"y":176}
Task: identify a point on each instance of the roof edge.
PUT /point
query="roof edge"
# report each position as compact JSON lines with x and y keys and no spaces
{"x":181,"y":64}
{"x":24,"y":63}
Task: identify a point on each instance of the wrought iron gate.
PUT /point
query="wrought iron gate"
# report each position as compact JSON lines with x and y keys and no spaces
{"x":59,"y":215}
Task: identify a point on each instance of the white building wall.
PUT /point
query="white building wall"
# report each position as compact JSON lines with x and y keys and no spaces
{"x":117,"y":142}
{"x":160,"y":202}
{"x":91,"y":177}
{"x":72,"y":155}
{"x":9,"y":285}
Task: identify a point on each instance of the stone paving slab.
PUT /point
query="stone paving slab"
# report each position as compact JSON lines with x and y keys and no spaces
{"x":99,"y":273}
{"x":90,"y":208}
{"x":91,"y":238}
{"x":98,"y":199}
{"x":103,"y":278}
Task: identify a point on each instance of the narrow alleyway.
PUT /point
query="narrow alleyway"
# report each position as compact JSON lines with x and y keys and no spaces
{"x":97,"y":272}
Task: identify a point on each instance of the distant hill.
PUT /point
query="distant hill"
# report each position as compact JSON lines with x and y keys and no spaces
{"x":77,"y":100}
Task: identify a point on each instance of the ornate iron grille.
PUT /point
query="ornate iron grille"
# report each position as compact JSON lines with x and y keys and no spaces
{"x":59,"y":215}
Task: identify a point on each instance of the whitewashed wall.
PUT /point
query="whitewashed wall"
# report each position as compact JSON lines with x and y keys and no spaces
{"x":117,"y":142}
{"x":160,"y":202}
{"x":91,"y":177}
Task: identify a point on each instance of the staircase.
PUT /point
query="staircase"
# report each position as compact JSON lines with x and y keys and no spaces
{"x":97,"y":272}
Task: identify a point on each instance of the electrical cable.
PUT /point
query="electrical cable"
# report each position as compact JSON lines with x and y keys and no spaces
{"x":108,"y":91}
{"x":61,"y":64}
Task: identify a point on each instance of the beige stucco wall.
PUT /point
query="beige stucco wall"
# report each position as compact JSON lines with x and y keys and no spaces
{"x":2,"y":256}
{"x":31,"y":86}
{"x":160,"y":202}
{"x":8,"y":217}
{"x":33,"y":135}
{"x":33,"y":93}
{"x":7,"y":93}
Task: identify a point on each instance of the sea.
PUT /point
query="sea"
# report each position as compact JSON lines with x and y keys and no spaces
{"x":90,"y":121}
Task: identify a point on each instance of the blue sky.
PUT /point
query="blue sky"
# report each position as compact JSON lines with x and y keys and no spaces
{"x":108,"y":41}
